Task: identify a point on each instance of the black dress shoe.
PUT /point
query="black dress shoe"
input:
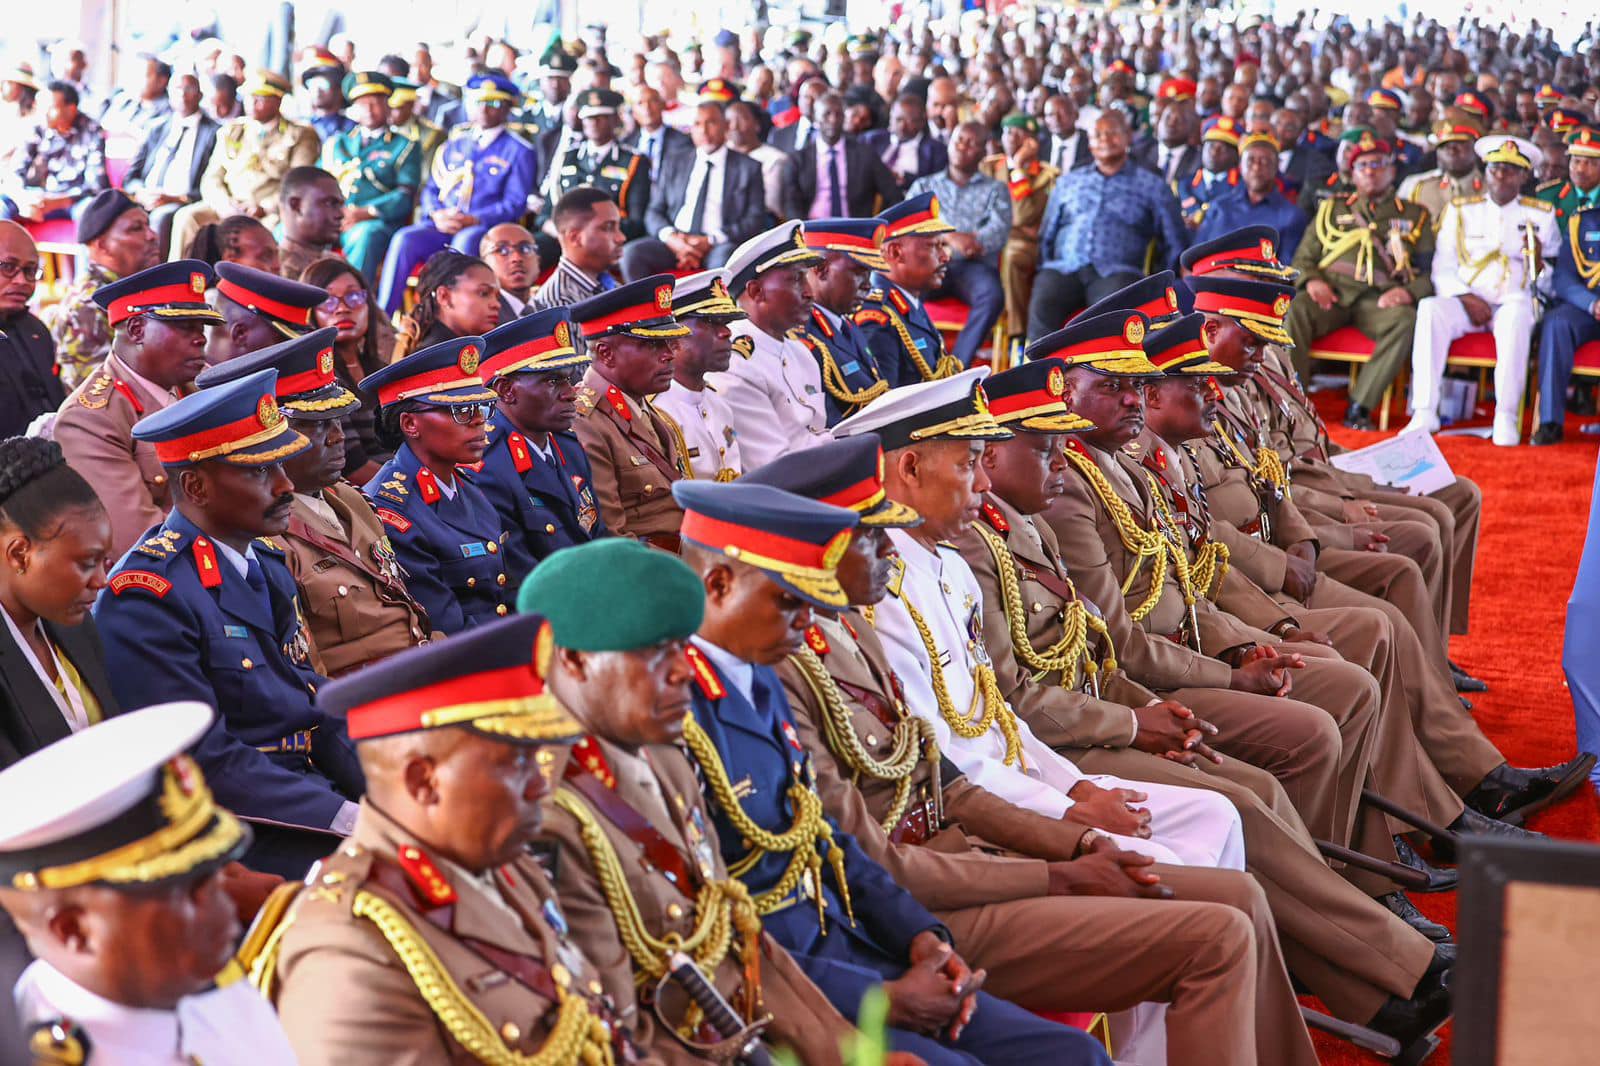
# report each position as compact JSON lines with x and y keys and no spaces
{"x":1510,"y":794}
{"x":1465,"y":682}
{"x":1414,"y":1021}
{"x":1358,"y":417}
{"x":1471,"y":823}
{"x":1401,"y":907}
{"x":1439,"y":879}
{"x":1548,"y":433}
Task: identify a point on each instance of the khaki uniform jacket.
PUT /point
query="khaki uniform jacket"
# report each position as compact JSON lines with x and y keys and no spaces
{"x":948,"y":871}
{"x":1100,"y":565}
{"x":802,"y":1018}
{"x":1434,"y":189}
{"x":352,"y":592}
{"x":1061,"y":717}
{"x":345,"y":995}
{"x":633,"y":473}
{"x":250,"y":161}
{"x":95,"y":431}
{"x":1340,"y":217}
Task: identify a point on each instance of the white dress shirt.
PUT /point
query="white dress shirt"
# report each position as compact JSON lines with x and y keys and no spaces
{"x":706,"y":421}
{"x":230,"y":1026}
{"x":903,"y":156}
{"x":181,"y":137}
{"x":1189,"y":826}
{"x":711,"y":222}
{"x":1064,"y":150}
{"x":68,"y":700}
{"x":775,"y":397}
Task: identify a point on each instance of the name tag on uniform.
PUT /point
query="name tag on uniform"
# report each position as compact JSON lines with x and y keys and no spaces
{"x":569,"y":170}
{"x":922,"y":342}
{"x":473,"y":550}
{"x":849,"y":368}
{"x":1592,"y":235}
{"x":236,"y":632}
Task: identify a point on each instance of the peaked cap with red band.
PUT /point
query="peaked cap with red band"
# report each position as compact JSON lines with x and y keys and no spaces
{"x":1027,"y":398}
{"x":914,"y":216}
{"x":1258,"y":306}
{"x":540,"y":341}
{"x":489,"y":679}
{"x":1155,"y":297}
{"x":1249,"y":250}
{"x":1177,"y":89}
{"x":1222,"y":128}
{"x":1110,"y":343}
{"x":443,"y":375}
{"x":846,"y":473}
{"x":286,"y":304}
{"x":238,"y":422}
{"x":307,"y":387}
{"x":859,"y":238}
{"x":167,"y":290}
{"x":795,"y":541}
{"x":1181,"y":350}
{"x":640,"y":309}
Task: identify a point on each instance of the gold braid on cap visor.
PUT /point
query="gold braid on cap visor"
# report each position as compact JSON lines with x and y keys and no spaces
{"x":541,"y":717}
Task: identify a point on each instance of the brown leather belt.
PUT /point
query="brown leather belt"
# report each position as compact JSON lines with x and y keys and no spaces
{"x":917,"y":825}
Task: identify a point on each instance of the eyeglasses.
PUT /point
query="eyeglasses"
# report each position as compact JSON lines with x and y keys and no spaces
{"x":465,"y":414}
{"x":353,"y":299}
{"x":1370,"y":165}
{"x":503,"y":248}
{"x":10,"y":268}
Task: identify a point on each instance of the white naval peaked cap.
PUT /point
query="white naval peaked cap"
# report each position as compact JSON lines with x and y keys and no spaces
{"x":1504,"y":148}
{"x":953,"y":407}
{"x":782,"y":245}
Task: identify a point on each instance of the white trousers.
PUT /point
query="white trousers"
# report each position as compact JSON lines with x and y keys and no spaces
{"x":1188,"y":826}
{"x":1442,"y":320}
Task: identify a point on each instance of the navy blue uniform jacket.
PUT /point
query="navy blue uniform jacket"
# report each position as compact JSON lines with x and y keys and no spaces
{"x":543,"y":506}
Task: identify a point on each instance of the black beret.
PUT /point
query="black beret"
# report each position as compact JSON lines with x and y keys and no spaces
{"x":103,"y":210}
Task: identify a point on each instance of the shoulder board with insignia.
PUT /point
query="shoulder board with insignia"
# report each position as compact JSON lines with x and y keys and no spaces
{"x":745,"y":346}
{"x":269,"y":543}
{"x":142,"y":580}
{"x":1551,"y":184}
{"x":398,"y":522}
{"x":815,"y":640}
{"x":705,"y":675}
{"x":874,"y":294}
{"x":95,"y":393}
{"x":992,"y":515}
{"x":1463,"y":201}
{"x":870,"y":316}
{"x":1536,"y":204}
{"x":585,"y":399}
{"x":897,"y":577}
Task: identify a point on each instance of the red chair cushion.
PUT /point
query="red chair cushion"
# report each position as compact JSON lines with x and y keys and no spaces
{"x":1473,"y":346}
{"x":1078,"y":1019}
{"x":53,"y":231}
{"x":948,"y":315}
{"x":1346,"y":340}
{"x":1587,"y":357}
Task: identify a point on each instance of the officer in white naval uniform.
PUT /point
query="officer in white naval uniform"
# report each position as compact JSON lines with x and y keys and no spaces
{"x":1491,"y":251}
{"x":111,"y":863}
{"x":707,"y":442}
{"x":773,"y":385}
{"x":935,"y":611}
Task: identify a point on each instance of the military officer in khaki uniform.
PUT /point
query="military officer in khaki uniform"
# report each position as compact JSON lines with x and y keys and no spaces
{"x":1364,"y":262}
{"x":1458,"y":173}
{"x":432,"y":935}
{"x":253,"y":154}
{"x":158,"y":319}
{"x":631,"y":448}
{"x":640,"y":863}
{"x":352,"y":593}
{"x":878,"y":775}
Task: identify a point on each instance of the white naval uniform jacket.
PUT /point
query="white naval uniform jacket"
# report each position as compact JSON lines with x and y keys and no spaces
{"x":229,"y":1026}
{"x":1188,"y":826}
{"x":706,"y":421}
{"x":775,"y":395}
{"x":1473,"y":229}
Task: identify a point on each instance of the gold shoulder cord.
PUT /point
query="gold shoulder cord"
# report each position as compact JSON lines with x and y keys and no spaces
{"x":833,"y":380}
{"x":1143,"y":543}
{"x":1068,"y":656}
{"x":723,"y":908}
{"x":912,"y":737}
{"x":800,"y":841}
{"x":678,"y":440}
{"x":1198,"y":578}
{"x":1494,"y":258}
{"x":947,"y":366}
{"x":1588,"y":270}
{"x":1336,"y":242}
{"x":985,"y":694}
{"x":1267,"y":466}
{"x":577,"y":1036}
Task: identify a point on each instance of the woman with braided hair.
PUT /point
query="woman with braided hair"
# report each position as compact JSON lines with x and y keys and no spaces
{"x":458,"y":296}
{"x":55,"y":551}
{"x":236,"y":239}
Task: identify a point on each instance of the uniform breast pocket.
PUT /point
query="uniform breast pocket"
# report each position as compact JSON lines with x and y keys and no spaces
{"x":348,"y":605}
{"x":641,"y":484}
{"x":232,"y":657}
{"x":154,"y":475}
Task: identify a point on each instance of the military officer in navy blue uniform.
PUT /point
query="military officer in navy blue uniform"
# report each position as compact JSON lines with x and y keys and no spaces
{"x":480,"y":178}
{"x":1257,"y":200}
{"x":851,"y":251}
{"x":204,"y":608}
{"x":1572,"y":321}
{"x":433,"y":409}
{"x":904,"y":342}
{"x":535,"y":471}
{"x":599,"y":159}
{"x":767,"y":558}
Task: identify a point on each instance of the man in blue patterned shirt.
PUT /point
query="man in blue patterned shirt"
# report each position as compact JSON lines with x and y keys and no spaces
{"x":1099,"y":227}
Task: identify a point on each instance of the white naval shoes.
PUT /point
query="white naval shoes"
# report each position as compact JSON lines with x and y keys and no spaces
{"x":1422,"y":422}
{"x":1507,"y":429}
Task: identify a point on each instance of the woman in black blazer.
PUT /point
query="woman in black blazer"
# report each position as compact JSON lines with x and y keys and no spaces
{"x":55,"y":544}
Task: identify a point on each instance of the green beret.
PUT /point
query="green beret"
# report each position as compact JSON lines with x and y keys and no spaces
{"x":614,"y":594}
{"x":1019,"y":121}
{"x":1353,"y":134}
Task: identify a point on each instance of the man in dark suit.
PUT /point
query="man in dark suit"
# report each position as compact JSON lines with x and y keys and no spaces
{"x":795,"y":137}
{"x":1307,"y":167}
{"x":28,"y":386}
{"x":654,"y":139}
{"x":705,"y":205}
{"x":1067,"y":147}
{"x":165,"y":172}
{"x":906,"y":147}
{"x":1172,"y":152}
{"x":838,"y":176}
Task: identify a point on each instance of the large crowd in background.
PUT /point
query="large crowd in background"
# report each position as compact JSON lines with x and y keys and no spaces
{"x":927,"y":412}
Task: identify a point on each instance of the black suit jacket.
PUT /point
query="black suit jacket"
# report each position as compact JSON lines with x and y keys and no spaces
{"x":869,"y":184}
{"x":1307,"y":171}
{"x":932,"y":156}
{"x":1080,"y":151}
{"x":150,"y":161}
{"x":28,"y":383}
{"x":744,"y":208}
{"x":29,"y":717}
{"x":676,"y":145}
{"x":785,"y":136}
{"x":1147,"y":153}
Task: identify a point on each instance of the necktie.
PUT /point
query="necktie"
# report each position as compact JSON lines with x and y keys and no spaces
{"x":257,"y":580}
{"x":1060,"y":160}
{"x":652,"y":148}
{"x":697,"y":215}
{"x":891,"y":155}
{"x":836,"y":181}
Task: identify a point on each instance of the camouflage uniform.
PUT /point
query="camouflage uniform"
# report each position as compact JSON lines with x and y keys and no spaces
{"x":80,"y":328}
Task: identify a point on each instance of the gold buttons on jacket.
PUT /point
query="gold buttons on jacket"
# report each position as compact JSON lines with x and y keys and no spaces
{"x":648,"y":489}
{"x":344,"y":590}
{"x":501,"y":580}
{"x":159,"y":479}
{"x":247,"y":663}
{"x":674,"y":911}
{"x":1037,"y":607}
{"x":548,"y":528}
{"x":510,"y":1033}
{"x":492,"y":547}
{"x":500,"y":609}
{"x":472,"y":582}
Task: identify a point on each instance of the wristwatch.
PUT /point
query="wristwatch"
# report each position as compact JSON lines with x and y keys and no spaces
{"x":1090,"y":838}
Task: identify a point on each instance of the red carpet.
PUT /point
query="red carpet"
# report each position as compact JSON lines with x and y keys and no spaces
{"x":1536,"y":505}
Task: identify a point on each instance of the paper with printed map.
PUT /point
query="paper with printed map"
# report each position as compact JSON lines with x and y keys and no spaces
{"x":1410,"y":461}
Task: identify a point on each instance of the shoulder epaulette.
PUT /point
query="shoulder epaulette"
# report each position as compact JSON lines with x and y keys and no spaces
{"x":1463,"y":201}
{"x":585,"y":400}
{"x":745,"y":346}
{"x":1551,"y":184}
{"x":519,"y":138}
{"x":897,"y":576}
{"x":161,"y":545}
{"x":95,"y":393}
{"x":1534,"y":202}
{"x":269,"y":544}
